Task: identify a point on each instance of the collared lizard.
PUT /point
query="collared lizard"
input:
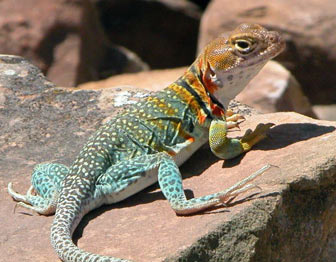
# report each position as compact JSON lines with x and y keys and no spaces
{"x":149,"y":140}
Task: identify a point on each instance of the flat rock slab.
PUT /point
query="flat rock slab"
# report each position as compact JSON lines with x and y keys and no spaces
{"x":290,"y":218}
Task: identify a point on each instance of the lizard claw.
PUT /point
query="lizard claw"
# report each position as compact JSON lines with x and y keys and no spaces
{"x":234,"y":120}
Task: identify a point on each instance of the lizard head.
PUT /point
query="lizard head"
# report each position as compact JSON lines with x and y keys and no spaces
{"x":227,"y":64}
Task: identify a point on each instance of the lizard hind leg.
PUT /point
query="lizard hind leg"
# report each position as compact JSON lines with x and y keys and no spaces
{"x":46,"y":183}
{"x":170,"y":182}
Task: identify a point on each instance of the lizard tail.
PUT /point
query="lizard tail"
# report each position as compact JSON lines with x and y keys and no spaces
{"x":65,"y":222}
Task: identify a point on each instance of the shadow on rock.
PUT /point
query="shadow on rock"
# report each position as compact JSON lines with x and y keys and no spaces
{"x":286,"y":134}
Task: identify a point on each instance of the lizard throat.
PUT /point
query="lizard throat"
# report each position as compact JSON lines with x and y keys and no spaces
{"x":210,"y":105}
{"x":217,"y":107}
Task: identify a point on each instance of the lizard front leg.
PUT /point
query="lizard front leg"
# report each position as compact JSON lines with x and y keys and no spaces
{"x":227,"y":148}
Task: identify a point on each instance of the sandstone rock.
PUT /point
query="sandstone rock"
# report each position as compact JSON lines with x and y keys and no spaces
{"x":308,"y":26}
{"x":58,"y":40}
{"x":35,"y":29}
{"x":163,"y":33}
{"x":326,"y":112}
{"x":290,"y":218}
{"x":153,"y":80}
{"x":274,"y":89}
{"x":36,"y":115}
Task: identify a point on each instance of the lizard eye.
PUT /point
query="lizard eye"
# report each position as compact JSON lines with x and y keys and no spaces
{"x":244,"y":46}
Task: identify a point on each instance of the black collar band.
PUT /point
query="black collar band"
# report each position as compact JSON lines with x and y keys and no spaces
{"x":182,"y":82}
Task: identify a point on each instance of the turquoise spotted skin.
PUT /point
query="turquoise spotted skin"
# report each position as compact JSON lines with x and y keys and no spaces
{"x":147,"y":142}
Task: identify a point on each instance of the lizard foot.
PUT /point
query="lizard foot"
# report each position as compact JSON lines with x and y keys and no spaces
{"x":32,"y":202}
{"x":17,"y":196}
{"x":253,"y":137}
{"x":242,"y":186}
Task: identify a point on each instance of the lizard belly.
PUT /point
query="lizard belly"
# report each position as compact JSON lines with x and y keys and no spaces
{"x":144,"y":181}
{"x":185,"y":153}
{"x":201,"y":136}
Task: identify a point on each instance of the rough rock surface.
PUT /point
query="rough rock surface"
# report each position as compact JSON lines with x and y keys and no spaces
{"x":291,"y":217}
{"x":326,"y":112}
{"x":36,"y":115}
{"x":310,"y":30}
{"x":153,"y":80}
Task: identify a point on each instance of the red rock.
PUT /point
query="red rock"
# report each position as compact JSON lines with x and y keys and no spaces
{"x":35,"y":29}
{"x":58,"y":39}
{"x":144,"y":228}
{"x":326,"y":112}
{"x":153,"y":80}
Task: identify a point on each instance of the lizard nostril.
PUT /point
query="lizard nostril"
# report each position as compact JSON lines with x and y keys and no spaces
{"x":274,"y":37}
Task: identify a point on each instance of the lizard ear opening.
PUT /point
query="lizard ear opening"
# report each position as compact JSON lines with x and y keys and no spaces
{"x":212,"y":81}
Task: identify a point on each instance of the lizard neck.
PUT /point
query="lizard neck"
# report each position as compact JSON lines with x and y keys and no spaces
{"x":192,"y":91}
